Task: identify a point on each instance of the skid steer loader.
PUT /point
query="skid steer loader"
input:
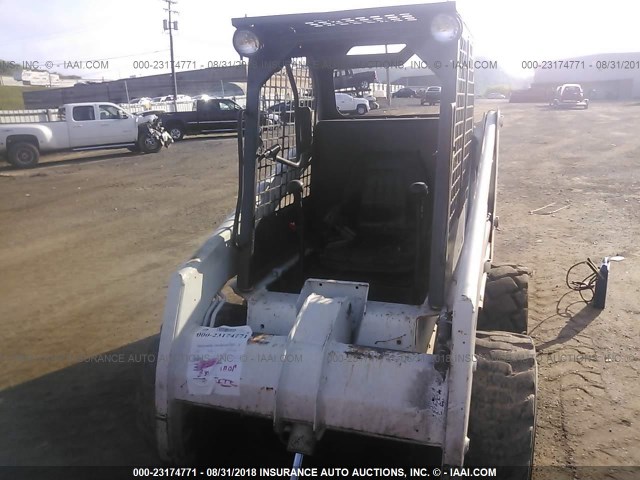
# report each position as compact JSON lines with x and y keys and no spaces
{"x":361,"y":250}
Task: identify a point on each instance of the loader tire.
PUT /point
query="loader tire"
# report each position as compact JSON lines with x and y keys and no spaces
{"x":506,"y":300}
{"x":502,"y":416}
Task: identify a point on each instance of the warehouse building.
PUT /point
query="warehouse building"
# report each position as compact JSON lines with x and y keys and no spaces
{"x":212,"y":81}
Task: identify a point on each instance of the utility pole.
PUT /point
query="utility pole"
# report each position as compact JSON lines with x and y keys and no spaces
{"x":386,"y":51}
{"x":126,"y":90}
{"x":171,"y":26}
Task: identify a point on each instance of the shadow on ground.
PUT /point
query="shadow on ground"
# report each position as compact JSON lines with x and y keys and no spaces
{"x":576,"y":322}
{"x":82,"y":415}
{"x":87,"y":414}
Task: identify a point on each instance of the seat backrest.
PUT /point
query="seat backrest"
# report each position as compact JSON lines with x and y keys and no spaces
{"x":367,"y":166}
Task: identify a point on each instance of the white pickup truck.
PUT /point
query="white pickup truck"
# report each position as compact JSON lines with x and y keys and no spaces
{"x":81,"y":126}
{"x":349,"y":104}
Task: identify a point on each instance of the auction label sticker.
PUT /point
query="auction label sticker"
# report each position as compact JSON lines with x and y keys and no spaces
{"x":215,"y":360}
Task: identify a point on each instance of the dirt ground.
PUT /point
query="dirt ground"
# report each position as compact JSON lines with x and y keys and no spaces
{"x":88,"y":243}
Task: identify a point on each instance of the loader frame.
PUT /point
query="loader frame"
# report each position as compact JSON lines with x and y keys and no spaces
{"x":329,"y":319}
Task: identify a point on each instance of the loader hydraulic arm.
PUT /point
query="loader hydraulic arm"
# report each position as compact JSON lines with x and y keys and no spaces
{"x":469,"y":281}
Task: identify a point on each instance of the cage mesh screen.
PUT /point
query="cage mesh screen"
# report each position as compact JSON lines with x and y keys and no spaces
{"x":363,"y":20}
{"x":462,"y":130}
{"x":277,"y":98}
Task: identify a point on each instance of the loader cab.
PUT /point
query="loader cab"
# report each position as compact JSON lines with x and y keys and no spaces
{"x":376,"y":198}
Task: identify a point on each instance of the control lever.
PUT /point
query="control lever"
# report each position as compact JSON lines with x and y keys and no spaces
{"x":296,"y":189}
{"x":273,"y":154}
{"x":270,"y":152}
{"x":420,"y":191}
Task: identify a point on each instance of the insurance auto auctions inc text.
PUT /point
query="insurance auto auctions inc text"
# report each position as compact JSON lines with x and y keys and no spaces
{"x":378,"y":472}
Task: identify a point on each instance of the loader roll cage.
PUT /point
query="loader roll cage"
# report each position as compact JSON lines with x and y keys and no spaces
{"x":279,"y":196}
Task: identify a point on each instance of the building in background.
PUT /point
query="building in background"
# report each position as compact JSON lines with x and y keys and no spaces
{"x":408,"y":77}
{"x":45,"y":79}
{"x":220,"y":81}
{"x":29,"y":78}
{"x":488,"y":74}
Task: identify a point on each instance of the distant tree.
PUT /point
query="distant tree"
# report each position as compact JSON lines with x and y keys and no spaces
{"x":7,"y":67}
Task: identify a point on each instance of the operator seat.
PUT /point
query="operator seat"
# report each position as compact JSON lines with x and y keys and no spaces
{"x":363,"y":213}
{"x":373,"y":227}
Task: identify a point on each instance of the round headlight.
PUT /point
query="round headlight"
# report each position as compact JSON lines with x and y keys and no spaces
{"x":246,"y":42}
{"x":445,"y":28}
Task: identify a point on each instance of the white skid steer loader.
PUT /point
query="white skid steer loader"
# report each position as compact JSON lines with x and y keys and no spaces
{"x":361,"y":250}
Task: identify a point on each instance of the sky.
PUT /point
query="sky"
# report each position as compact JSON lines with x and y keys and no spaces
{"x":127,"y":34}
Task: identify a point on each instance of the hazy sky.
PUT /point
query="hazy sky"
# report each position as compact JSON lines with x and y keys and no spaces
{"x":508,"y":31}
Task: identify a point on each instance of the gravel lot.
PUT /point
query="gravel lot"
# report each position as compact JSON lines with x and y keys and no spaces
{"x":89,"y":241}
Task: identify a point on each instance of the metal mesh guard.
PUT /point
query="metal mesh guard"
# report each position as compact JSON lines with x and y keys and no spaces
{"x":462,"y":130}
{"x":272,"y":178}
{"x":371,"y":19}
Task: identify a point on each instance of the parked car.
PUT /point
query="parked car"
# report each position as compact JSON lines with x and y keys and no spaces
{"x":138,"y":101}
{"x":348,"y":79}
{"x":405,"y":92}
{"x":162,"y":98}
{"x":431,"y":95}
{"x":210,"y":116}
{"x":180,"y":98}
{"x":495,"y":96}
{"x":82,"y":126}
{"x":569,"y":95}
{"x":345,"y":103}
{"x":285,"y":110}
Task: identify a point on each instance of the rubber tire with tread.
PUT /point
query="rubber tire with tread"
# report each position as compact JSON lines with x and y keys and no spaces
{"x":361,"y":110}
{"x":16,"y":149}
{"x":143,"y":147}
{"x":506,"y":299}
{"x":178,"y":128}
{"x":502,"y":416}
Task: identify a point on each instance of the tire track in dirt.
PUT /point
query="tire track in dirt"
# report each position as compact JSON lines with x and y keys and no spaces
{"x":587,"y":416}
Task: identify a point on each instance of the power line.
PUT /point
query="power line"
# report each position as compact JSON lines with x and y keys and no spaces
{"x":171,"y":26}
